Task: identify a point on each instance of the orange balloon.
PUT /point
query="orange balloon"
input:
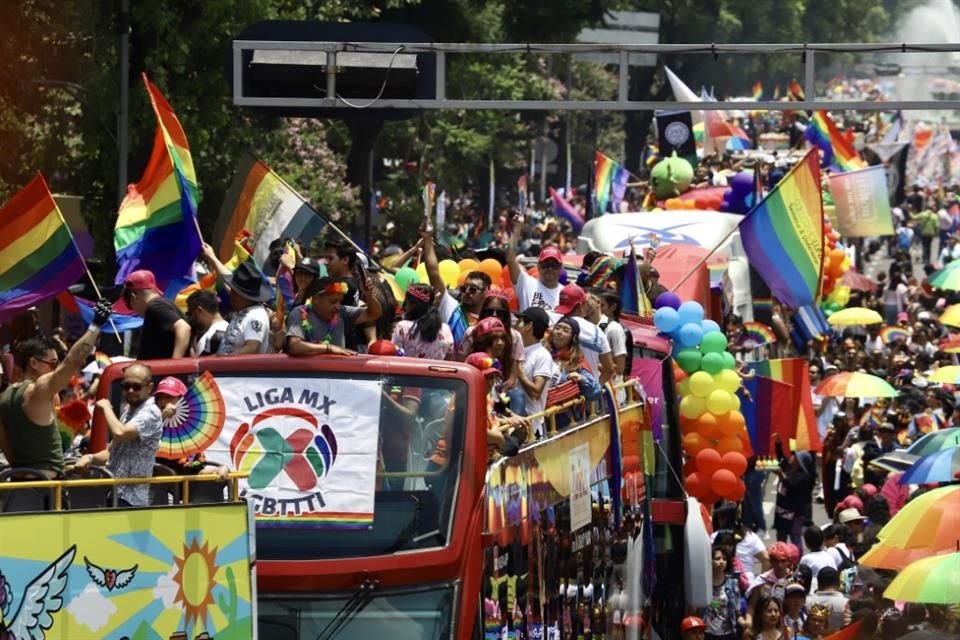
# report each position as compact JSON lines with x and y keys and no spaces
{"x":690,"y":466}
{"x":697,"y":484}
{"x":724,"y":483}
{"x":492,"y":268}
{"x":740,"y":491}
{"x":505,"y":277}
{"x":468,"y":264}
{"x":688,"y":425}
{"x":728,"y":444}
{"x":708,"y":425}
{"x":709,"y":461}
{"x":735,"y":462}
{"x":694,"y":443}
{"x":462,"y":277}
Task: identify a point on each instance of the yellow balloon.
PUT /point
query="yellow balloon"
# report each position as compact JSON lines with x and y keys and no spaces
{"x":684,"y":387}
{"x":422,"y":272}
{"x":736,"y":402}
{"x":468,"y":264}
{"x":692,"y":406}
{"x":701,"y":384}
{"x":449,"y":271}
{"x":720,"y":402}
{"x":728,"y":380}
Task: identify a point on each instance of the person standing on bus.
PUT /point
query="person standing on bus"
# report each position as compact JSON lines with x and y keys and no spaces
{"x":203,"y":309}
{"x":421,"y":333}
{"x":28,"y":435}
{"x":461,"y":315}
{"x":248,"y":331}
{"x":544,"y":290}
{"x":165,"y":334}
{"x":319,"y":326}
{"x":537,"y":369}
{"x":575,"y":305}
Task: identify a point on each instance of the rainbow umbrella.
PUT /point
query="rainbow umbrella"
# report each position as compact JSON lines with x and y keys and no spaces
{"x":902,"y":459}
{"x":951,"y":315}
{"x":930,"y":521}
{"x":889,"y":334}
{"x":942,"y":466}
{"x":858,"y":281}
{"x":197,"y":421}
{"x":853,"y":384}
{"x":946,"y":375}
{"x":951,"y":344}
{"x":933,"y":580}
{"x":854,"y":316}
{"x":948,"y":278}
{"x":757,"y":334}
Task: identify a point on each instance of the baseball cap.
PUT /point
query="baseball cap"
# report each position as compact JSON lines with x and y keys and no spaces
{"x":309,"y":265}
{"x":551,"y":253}
{"x":692,"y":622}
{"x":570,"y":296}
{"x":138,"y":280}
{"x":795,"y":587}
{"x":171,"y":386}
{"x":537,"y":317}
{"x":903,"y":317}
{"x":487,"y":364}
{"x":849,"y":515}
{"x":488,"y":325}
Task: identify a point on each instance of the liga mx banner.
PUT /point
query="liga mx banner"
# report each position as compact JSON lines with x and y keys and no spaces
{"x":309,"y":445}
{"x":862,"y":202}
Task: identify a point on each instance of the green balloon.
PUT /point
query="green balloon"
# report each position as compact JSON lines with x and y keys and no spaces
{"x":712,"y":363}
{"x":689,"y":360}
{"x":405,"y":277}
{"x":713,"y":342}
{"x":729,"y":362}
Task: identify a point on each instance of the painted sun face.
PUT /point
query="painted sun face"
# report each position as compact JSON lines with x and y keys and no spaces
{"x":195,"y":580}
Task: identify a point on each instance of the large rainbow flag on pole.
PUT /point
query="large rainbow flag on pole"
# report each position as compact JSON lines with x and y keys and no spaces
{"x":783,"y":235}
{"x":796,"y":373}
{"x":38,"y":258}
{"x":603,"y":168}
{"x":157,"y":224}
{"x":837,"y":150}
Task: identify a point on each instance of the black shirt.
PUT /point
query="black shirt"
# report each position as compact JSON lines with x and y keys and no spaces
{"x":156,"y":337}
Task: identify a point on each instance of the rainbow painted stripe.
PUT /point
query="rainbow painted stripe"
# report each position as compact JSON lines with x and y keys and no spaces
{"x":36,"y":249}
{"x":156,"y":226}
{"x":198,"y":420}
{"x":326,"y":520}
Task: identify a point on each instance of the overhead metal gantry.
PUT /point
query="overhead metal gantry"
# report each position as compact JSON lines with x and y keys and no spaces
{"x":324,"y":59}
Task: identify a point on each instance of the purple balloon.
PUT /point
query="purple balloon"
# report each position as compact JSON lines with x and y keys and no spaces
{"x":563,"y":276}
{"x":667,"y":299}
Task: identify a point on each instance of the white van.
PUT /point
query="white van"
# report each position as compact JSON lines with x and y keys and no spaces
{"x":706,"y":229}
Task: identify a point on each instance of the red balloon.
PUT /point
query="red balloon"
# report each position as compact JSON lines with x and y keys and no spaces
{"x":741,"y":491}
{"x":701,"y":203}
{"x":709,"y":498}
{"x":728,"y":444}
{"x":724,"y":483}
{"x":690,"y":466}
{"x":735,"y":462}
{"x":688,"y":425}
{"x":709,"y":461}
{"x":696,"y":484}
{"x":505,"y":277}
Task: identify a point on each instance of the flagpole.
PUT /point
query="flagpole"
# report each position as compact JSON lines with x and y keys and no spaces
{"x":76,"y":248}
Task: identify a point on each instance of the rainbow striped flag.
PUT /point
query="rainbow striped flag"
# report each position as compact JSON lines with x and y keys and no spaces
{"x":38,"y":256}
{"x":795,"y":91}
{"x":796,"y":373}
{"x":157,"y":224}
{"x":633,"y":299}
{"x":603,"y":168}
{"x":837,"y":150}
{"x":783,"y":235}
{"x":757,"y":91}
{"x":565,"y":211}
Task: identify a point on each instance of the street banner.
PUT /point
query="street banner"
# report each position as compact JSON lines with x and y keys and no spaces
{"x":162,"y":572}
{"x":862,"y":202}
{"x":675,"y":131}
{"x":309,"y":445}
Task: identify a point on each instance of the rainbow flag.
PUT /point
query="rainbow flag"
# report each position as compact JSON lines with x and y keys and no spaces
{"x":837,"y":149}
{"x":776,"y":92}
{"x":616,"y":439}
{"x":157,"y":224}
{"x":633,"y":299}
{"x":796,"y":373}
{"x":259,"y":200}
{"x":783,"y":235}
{"x":603,"y":168}
{"x":757,"y":91}
{"x":37,"y":253}
{"x":768,"y":399}
{"x":795,"y":91}
{"x":565,"y":211}
{"x":84,"y":309}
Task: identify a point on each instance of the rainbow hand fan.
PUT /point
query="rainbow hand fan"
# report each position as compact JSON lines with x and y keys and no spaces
{"x":197,"y":422}
{"x":757,"y":333}
{"x":103,"y":360}
{"x":889,"y":335}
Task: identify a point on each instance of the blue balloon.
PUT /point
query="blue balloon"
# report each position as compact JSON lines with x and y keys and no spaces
{"x":666,"y":319}
{"x":690,"y":334}
{"x":676,"y":349}
{"x":690,"y":312}
{"x":709,"y":326}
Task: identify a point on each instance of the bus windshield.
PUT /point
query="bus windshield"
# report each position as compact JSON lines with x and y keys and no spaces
{"x":409,"y":428}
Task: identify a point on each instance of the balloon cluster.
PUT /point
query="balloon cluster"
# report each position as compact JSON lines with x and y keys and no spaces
{"x":454,"y":274}
{"x":739,"y":198}
{"x":713,"y":427}
{"x":835,"y":264}
{"x":704,"y":203}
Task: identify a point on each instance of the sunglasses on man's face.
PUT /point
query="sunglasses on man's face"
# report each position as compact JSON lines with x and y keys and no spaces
{"x":470,"y":288}
{"x":132,"y":386}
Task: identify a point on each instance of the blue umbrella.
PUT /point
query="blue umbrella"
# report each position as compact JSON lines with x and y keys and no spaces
{"x":736,"y":143}
{"x":942,"y":466}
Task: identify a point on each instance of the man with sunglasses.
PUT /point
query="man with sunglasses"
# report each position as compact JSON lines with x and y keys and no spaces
{"x":165,"y":334}
{"x":134,"y":436}
{"x":28,"y":435}
{"x":544,"y":290}
{"x":459,"y":316}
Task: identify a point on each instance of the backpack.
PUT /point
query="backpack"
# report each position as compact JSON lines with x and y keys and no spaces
{"x":847,"y":570}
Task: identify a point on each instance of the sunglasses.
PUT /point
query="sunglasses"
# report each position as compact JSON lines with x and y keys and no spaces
{"x":500,"y":313}
{"x":132,"y":386}
{"x":470,"y":288}
{"x":49,"y":363}
{"x":550,"y":264}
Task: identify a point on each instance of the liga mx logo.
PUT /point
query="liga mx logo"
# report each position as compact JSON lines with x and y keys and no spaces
{"x":284,"y":440}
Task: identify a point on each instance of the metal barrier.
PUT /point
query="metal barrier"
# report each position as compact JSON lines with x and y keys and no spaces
{"x":57,"y":486}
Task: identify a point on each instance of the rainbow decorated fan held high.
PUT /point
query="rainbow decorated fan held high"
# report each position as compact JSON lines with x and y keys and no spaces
{"x":757,"y":333}
{"x":197,"y":422}
{"x":891,"y":334}
{"x":103,"y":360}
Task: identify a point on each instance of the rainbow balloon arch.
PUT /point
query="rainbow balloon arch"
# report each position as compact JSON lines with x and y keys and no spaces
{"x":714,"y":431}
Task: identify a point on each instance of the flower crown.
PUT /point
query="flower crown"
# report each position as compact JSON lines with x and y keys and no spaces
{"x":420,"y":293}
{"x":336,"y":287}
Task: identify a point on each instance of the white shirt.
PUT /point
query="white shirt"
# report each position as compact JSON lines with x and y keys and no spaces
{"x":537,"y":362}
{"x":254,"y":324}
{"x":533,"y":293}
{"x":830,"y":406}
{"x":593,"y":343}
{"x":616,"y":336}
{"x":203,"y":343}
{"x":834,"y":552}
{"x":817,"y":560}
{"x":746,"y":552}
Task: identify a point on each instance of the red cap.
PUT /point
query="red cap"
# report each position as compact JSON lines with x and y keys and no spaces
{"x":136,"y":281}
{"x":570,"y":296}
{"x":171,"y":386}
{"x":551,"y":253}
{"x":488,"y":325}
{"x":692,"y":622}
